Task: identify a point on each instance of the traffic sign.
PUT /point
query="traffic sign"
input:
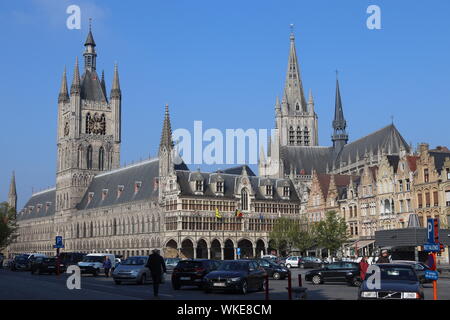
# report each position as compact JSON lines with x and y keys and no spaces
{"x":58,"y":242}
{"x":430,"y":230}
{"x":431,"y":275}
{"x":238,"y":251}
{"x":432,"y":247}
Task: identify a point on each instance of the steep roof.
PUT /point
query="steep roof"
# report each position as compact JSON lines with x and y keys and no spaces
{"x":238,"y":170}
{"x":91,"y":87}
{"x":41,"y":204}
{"x":412,"y":162}
{"x":305,"y":158}
{"x":439,"y":159}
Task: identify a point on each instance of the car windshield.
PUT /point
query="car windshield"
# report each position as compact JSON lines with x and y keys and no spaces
{"x":233,"y":266}
{"x":398,"y":274}
{"x":93,"y":259}
{"x":189,"y":264}
{"x":21,"y":259}
{"x":134,"y":261}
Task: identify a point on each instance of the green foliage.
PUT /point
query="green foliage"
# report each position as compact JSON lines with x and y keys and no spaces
{"x":8,"y":224}
{"x":331,"y":233}
{"x":288,"y":234}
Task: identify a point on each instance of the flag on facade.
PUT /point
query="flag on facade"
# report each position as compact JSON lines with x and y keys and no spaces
{"x":218,"y":215}
{"x":238,"y":213}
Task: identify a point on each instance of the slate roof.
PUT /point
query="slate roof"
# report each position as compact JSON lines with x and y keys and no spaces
{"x":439,"y":159}
{"x":393,"y":162}
{"x":40,"y":198}
{"x":387,"y":140}
{"x":238,"y":170}
{"x":231,"y":182}
{"x":91,"y":87}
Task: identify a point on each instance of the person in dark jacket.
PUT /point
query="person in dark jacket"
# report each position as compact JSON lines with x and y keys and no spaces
{"x":107,"y":266}
{"x":157,"y":267}
{"x":384,"y":257}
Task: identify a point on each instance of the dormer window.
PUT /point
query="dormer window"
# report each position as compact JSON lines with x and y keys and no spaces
{"x":199,"y":185}
{"x":137,"y":186}
{"x":120,"y":189}
{"x":286,"y":192}
{"x":426,"y":175}
{"x":90,"y":197}
{"x":39,"y":206}
{"x":104,"y":193}
{"x":219,"y":187}
{"x":269,"y":190}
{"x":47,"y":205}
{"x":448,"y":173}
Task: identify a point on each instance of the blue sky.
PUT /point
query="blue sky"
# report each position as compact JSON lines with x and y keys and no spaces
{"x":222,"y":62}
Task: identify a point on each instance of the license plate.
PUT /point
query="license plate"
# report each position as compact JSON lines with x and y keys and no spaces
{"x":50,"y":267}
{"x":185,"y":278}
{"x":219,"y":284}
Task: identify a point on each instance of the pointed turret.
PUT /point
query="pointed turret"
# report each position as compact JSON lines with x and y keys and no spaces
{"x":75,"y":89}
{"x":340,"y":136}
{"x":166,"y":135}
{"x":12,"y":194}
{"x":63,"y":91}
{"x":103,"y":83}
{"x":293,"y":89}
{"x":90,"y":56}
{"x":116,"y":93}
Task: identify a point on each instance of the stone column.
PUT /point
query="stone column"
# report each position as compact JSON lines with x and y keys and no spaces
{"x":222,"y":256}
{"x":209,"y":252}
{"x":195,"y":253}
{"x":253,"y":252}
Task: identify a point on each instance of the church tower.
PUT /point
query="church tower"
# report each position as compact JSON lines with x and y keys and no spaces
{"x":340,"y":136}
{"x":89,"y":133}
{"x":165,"y":153}
{"x":12,"y":194}
{"x":295,"y":117}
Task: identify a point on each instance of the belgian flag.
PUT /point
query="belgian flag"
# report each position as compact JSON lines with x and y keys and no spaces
{"x":238,"y":213}
{"x":218,"y":215}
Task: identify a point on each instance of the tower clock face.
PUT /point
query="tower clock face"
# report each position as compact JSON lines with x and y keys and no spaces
{"x":66,"y":129}
{"x":97,"y":125}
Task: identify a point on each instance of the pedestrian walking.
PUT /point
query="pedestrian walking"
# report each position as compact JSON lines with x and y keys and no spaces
{"x":157,"y":267}
{"x":384,"y":258}
{"x":363,"y":266}
{"x":107,"y":266}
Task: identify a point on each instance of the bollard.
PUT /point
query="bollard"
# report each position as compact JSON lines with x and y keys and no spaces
{"x":289,"y":286}
{"x":300,"y":280}
{"x":267,"y":286}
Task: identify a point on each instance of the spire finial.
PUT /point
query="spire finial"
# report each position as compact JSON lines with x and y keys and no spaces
{"x":291,"y":26}
{"x":90,"y":24}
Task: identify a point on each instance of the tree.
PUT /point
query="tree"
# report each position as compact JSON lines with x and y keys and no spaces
{"x":331,"y":233}
{"x":288,"y":234}
{"x":8,"y":226}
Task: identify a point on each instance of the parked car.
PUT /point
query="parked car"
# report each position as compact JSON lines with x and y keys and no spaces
{"x":236,"y":275}
{"x":398,"y":281}
{"x":347,"y":272}
{"x":311,"y":262}
{"x":293,"y":261}
{"x":270,"y":257}
{"x":93,"y":263}
{"x":171,"y":263}
{"x":71,"y":258}
{"x":46,"y":265}
{"x":132,"y":269}
{"x":192,"y":272}
{"x":273,"y":269}
{"x":32,"y":257}
{"x":20,"y":262}
{"x":281,"y":262}
{"x":420,"y":268}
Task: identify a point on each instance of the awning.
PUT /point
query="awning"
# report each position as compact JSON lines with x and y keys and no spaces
{"x":361,"y":244}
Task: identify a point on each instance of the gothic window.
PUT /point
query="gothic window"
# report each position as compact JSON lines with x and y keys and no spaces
{"x":291,"y":135}
{"x":101,"y":159}
{"x":244,"y":199}
{"x":89,"y":158}
{"x":297,"y":107}
{"x":299,"y":136}
{"x":103,"y":124}
{"x":80,"y":157}
{"x":92,"y":230}
{"x":306,"y":136}
{"x":88,"y":121}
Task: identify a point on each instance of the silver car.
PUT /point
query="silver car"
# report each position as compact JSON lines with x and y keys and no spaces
{"x":133,"y":269}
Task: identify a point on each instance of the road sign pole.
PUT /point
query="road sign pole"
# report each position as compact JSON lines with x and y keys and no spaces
{"x":57,"y":261}
{"x":435,"y":297}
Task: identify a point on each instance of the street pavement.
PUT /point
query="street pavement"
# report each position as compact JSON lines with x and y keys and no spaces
{"x":24,"y":285}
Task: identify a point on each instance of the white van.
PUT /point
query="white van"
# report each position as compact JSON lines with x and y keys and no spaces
{"x":93,"y":263}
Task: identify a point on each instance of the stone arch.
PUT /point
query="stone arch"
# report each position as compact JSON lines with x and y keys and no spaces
{"x":187,"y":249}
{"x":216,"y":249}
{"x":228,"y":250}
{"x":246,"y":247}
{"x":202,"y":249}
{"x":260,"y":248}
{"x":171,"y":249}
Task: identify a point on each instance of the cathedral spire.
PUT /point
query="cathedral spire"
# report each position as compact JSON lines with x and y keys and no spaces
{"x":293,"y":87}
{"x":89,"y":54}
{"x":12,"y":194}
{"x":166,"y":135}
{"x":63,"y":92}
{"x":115,"y":90}
{"x":76,"y":82}
{"x":340,"y":136}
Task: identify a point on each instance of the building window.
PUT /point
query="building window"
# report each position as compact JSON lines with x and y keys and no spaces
{"x":427,"y":199}
{"x":447,"y":198}
{"x":426,"y":175}
{"x":400,"y":185}
{"x":89,"y":158}
{"x":299,"y":136}
{"x":448,"y":173}
{"x":101,"y":159}
{"x":436,"y":198}
{"x":88,"y":120}
{"x":419,"y":200}
{"x":244,"y":199}
{"x":80,"y":157}
{"x":408,"y":185}
{"x":219,"y":186}
{"x":268,"y":190}
{"x":291,"y":136}
{"x":306,"y":136}
{"x":286,"y":192}
{"x":199,"y":185}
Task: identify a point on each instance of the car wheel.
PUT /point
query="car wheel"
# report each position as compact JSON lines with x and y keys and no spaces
{"x":117,"y":282}
{"x":316,"y":279}
{"x":356,"y":282}
{"x":142,"y":279}
{"x":176,"y":286}
{"x":276,"y":276}
{"x":282,"y":264}
{"x":244,"y":287}
{"x":288,"y":266}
